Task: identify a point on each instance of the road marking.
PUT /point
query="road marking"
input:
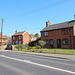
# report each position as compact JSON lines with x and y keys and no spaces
{"x":27,"y":61}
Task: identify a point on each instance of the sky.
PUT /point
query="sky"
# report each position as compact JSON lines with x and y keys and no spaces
{"x":32,"y":15}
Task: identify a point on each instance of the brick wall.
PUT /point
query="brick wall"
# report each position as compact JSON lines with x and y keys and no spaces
{"x":57,"y":34}
{"x":26,"y":38}
{"x":5,"y":40}
{"x":74,"y":42}
{"x":74,"y":30}
{"x":17,"y":39}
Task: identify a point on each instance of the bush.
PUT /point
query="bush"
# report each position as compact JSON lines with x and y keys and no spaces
{"x":41,"y":43}
{"x":26,"y":47}
{"x":17,"y":46}
{"x":21,"y":46}
{"x":34,"y":47}
{"x":38,"y":47}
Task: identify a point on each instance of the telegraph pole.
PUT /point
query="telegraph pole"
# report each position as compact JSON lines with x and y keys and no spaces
{"x":1,"y":32}
{"x":74,"y":17}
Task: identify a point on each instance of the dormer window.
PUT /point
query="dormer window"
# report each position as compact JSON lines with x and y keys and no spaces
{"x":45,"y":33}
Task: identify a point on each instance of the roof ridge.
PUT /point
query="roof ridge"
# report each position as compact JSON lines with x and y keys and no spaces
{"x":60,"y":25}
{"x":18,"y":33}
{"x":64,"y":22}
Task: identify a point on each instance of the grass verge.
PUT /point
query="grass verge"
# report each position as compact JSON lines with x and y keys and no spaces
{"x":56,"y":51}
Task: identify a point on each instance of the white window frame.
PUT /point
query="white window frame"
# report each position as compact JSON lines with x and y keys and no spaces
{"x":19,"y":42}
{"x":19,"y":37}
{"x":46,"y":33}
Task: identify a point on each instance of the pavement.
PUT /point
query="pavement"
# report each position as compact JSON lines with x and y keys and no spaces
{"x":61,"y":56}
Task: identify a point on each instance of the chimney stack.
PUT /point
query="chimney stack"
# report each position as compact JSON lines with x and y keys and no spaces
{"x":16,"y":31}
{"x":47,"y":24}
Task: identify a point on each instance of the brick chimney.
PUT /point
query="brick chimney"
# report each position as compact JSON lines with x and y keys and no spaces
{"x":16,"y":31}
{"x":47,"y":24}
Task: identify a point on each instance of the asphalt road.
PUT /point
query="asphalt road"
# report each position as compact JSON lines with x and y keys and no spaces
{"x":24,"y":64}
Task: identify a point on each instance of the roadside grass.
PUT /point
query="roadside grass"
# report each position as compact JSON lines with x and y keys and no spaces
{"x":55,"y":51}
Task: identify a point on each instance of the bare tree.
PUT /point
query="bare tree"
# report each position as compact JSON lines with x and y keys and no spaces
{"x":9,"y":40}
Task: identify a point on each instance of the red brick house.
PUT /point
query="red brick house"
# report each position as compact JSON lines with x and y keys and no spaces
{"x":20,"y":38}
{"x":60,"y":35}
{"x":4,"y":39}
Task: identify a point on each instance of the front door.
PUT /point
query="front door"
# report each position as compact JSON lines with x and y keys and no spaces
{"x":58,"y":43}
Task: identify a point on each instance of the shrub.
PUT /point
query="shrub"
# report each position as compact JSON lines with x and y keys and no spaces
{"x":41,"y":43}
{"x":26,"y":46}
{"x":38,"y":47}
{"x":17,"y":46}
{"x":21,"y":46}
{"x":34,"y":47}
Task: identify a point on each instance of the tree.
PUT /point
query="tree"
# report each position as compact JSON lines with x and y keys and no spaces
{"x":9,"y":40}
{"x":41,"y":43}
{"x":37,"y":35}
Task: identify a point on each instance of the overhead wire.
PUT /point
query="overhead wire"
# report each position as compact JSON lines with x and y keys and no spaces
{"x":59,"y":2}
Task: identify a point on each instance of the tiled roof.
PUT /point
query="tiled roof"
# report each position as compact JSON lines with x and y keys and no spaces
{"x":60,"y":25}
{"x":18,"y":33}
{"x":4,"y":36}
{"x":32,"y":35}
{"x":37,"y":40}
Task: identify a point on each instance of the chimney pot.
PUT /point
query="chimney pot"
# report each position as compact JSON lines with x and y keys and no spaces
{"x":47,"y":24}
{"x":16,"y":31}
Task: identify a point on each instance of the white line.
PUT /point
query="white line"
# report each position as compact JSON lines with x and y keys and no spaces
{"x":27,"y":61}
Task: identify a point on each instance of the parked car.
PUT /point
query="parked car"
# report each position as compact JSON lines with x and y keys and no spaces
{"x":9,"y":47}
